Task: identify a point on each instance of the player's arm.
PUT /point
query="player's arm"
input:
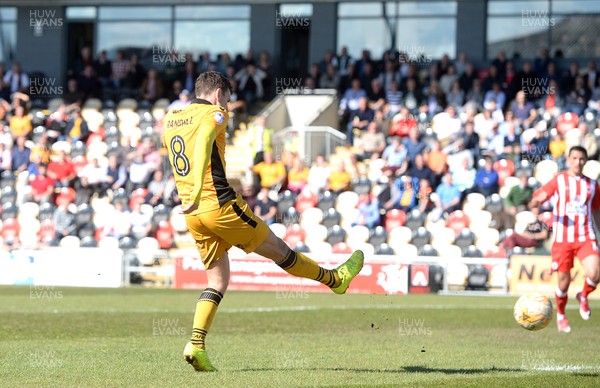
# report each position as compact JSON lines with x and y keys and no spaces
{"x":202,"y":151}
{"x":543,"y":194}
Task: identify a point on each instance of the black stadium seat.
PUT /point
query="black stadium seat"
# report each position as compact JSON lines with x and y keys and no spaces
{"x":326,"y":201}
{"x":415,"y":219}
{"x":494,"y":204}
{"x":472,"y":251}
{"x":290,"y":217}
{"x":286,"y":201}
{"x":384,"y":249}
{"x":331,"y":217}
{"x":427,"y":250}
{"x":464,"y":239}
{"x":85,"y":215}
{"x":127,"y":242}
{"x":7,"y":178}
{"x":8,"y":194}
{"x":336,"y":235}
{"x":378,"y":236}
{"x":421,"y":237}
{"x":477,"y":278}
{"x":301,"y":247}
{"x":363,"y":186}
{"x":46,"y":211}
{"x":88,"y":242}
{"x":9,"y":210}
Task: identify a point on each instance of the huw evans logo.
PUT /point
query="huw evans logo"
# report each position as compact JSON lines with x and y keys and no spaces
{"x":414,"y":54}
{"x":45,"y":87}
{"x":44,"y":19}
{"x":535,"y":86}
{"x":166,"y":55}
{"x":291,"y":19}
{"x":536,"y":18}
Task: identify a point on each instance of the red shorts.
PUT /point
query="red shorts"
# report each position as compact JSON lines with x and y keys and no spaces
{"x":563,"y":254}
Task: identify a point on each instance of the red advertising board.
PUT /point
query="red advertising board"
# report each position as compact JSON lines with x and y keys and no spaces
{"x":419,"y":279}
{"x":383,"y":275}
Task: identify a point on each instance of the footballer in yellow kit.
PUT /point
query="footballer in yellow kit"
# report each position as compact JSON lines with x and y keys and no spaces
{"x":217,"y":217}
{"x":195,"y":138}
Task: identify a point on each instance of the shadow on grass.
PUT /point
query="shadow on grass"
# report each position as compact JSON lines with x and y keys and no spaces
{"x":406,"y":369}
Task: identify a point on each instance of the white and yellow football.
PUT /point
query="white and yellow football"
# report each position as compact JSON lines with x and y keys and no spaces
{"x":533,"y":311}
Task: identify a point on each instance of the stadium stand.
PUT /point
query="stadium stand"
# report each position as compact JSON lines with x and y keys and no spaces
{"x":120,"y":124}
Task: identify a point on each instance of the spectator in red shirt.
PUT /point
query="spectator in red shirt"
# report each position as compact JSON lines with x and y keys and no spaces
{"x":42,"y":186}
{"x":61,"y":170}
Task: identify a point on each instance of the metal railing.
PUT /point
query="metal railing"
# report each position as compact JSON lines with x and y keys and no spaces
{"x":308,"y":141}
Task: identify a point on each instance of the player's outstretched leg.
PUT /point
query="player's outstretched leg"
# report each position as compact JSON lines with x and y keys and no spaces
{"x":348,"y":270}
{"x":582,"y":297}
{"x":338,"y":279}
{"x":298,"y":264}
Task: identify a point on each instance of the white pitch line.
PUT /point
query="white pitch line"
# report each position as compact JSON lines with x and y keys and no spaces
{"x":233,"y":310}
{"x":368,"y":307}
{"x":565,"y":368}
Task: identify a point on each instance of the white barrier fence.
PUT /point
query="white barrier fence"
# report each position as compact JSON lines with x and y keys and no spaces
{"x":182,"y":268}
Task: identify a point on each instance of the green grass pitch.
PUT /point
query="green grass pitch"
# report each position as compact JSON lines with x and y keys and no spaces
{"x":134,"y":337}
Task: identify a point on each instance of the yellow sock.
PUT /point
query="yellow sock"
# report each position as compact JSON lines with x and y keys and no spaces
{"x":206,"y":308}
{"x":298,"y":264}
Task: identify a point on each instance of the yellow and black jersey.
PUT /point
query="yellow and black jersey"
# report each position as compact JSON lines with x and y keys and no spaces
{"x":195,"y":139}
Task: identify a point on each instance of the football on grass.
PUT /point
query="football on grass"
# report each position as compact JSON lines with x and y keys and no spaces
{"x":533,"y":311}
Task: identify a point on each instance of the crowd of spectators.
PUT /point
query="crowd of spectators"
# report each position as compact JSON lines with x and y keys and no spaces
{"x":422,"y":135}
{"x":438,"y":131}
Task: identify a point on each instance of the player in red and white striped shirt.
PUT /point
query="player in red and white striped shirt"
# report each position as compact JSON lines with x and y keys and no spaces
{"x":576,"y":201}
